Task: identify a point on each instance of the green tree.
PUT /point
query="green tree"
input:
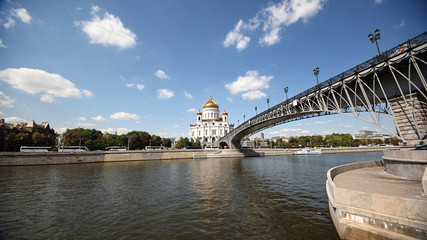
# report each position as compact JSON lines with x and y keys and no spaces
{"x":139,"y":140}
{"x":196,"y":143}
{"x":166,"y":142}
{"x":182,"y":142}
{"x":38,"y":139}
{"x":156,"y":140}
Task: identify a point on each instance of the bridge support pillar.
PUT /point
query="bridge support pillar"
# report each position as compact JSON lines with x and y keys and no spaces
{"x":411,"y":118}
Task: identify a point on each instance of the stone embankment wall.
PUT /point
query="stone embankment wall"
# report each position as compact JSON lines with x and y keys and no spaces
{"x":22,"y":159}
{"x":406,"y":163}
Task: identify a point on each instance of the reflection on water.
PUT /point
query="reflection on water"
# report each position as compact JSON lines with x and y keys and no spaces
{"x":249,"y":198}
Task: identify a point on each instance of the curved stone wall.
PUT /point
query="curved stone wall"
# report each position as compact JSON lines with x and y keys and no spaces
{"x":407,"y":163}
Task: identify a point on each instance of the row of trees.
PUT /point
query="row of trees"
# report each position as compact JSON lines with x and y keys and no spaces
{"x":13,"y":141}
{"x":95,"y":140}
{"x":333,"y":140}
{"x":138,"y":140}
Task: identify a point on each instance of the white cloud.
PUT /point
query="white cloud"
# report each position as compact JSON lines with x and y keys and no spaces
{"x":251,"y":81}
{"x":365,"y":128}
{"x":86,"y":124}
{"x":10,"y":23}
{"x":47,"y":98}
{"x":378,"y":1}
{"x":124,"y":116}
{"x":95,"y":9}
{"x":87,"y":93}
{"x":22,"y":14}
{"x":229,"y":99}
{"x":294,"y":131}
{"x":17,"y":13}
{"x":119,"y":131}
{"x":6,"y":101}
{"x":236,"y":37}
{"x":164,"y":93}
{"x":61,"y":130}
{"x":99,"y":118}
{"x":136,"y":85}
{"x":191,"y":110}
{"x":1,"y":44}
{"x":326,"y":132}
{"x":401,"y":24}
{"x":108,"y":31}
{"x":35,"y":81}
{"x":323,"y":122}
{"x":15,"y":120}
{"x":176,"y":126}
{"x":274,"y":19}
{"x":160,"y":74}
{"x":188,"y":95}
{"x":81,"y":119}
{"x":254,"y":94}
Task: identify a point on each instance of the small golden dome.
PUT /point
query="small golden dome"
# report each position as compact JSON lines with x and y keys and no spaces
{"x":225,"y":112}
{"x":210,"y":104}
{"x":199,"y":112}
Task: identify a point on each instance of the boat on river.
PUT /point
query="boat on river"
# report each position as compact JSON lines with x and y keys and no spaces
{"x":308,"y":151}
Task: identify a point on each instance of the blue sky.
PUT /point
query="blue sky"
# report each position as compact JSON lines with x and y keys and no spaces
{"x":119,"y":66}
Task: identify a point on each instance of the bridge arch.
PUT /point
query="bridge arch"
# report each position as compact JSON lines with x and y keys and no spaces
{"x":393,"y":84}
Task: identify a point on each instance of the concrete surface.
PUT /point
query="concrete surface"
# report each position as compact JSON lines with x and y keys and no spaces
{"x":407,"y":163}
{"x":365,"y":202}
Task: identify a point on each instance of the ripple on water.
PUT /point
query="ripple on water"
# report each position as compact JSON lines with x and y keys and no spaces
{"x":250,"y":198}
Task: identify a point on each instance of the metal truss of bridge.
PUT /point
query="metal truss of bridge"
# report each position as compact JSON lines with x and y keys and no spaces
{"x":393,"y":83}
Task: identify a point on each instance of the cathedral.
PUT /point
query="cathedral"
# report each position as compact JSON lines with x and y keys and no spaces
{"x":210,"y":126}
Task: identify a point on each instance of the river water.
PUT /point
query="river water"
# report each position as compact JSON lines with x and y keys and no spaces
{"x":249,"y":198}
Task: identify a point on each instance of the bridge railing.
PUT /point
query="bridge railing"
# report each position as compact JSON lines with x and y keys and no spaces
{"x":403,"y":47}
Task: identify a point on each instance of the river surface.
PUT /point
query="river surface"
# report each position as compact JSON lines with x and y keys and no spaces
{"x":249,"y":198}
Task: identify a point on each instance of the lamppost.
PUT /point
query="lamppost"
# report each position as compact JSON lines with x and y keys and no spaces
{"x":268,"y":103}
{"x":237,"y":122}
{"x":286,"y":92}
{"x":374,"y":38}
{"x":316,"y":72}
{"x":243,"y":118}
{"x":256,"y":110}
{"x":80,"y":142}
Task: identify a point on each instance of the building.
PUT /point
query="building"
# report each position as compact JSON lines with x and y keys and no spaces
{"x":210,"y":125}
{"x":371,"y":135}
{"x":26,"y":128}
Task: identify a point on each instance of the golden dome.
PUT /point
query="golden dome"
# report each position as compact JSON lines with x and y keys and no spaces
{"x":225,"y":112}
{"x":199,"y":112}
{"x":210,"y":104}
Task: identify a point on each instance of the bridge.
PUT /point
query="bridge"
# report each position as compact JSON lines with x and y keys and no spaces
{"x":392,"y":83}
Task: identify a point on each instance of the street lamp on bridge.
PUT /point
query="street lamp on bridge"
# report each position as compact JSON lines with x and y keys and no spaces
{"x":374,"y":38}
{"x":268,"y":103}
{"x":316,"y":72}
{"x":286,"y":92}
{"x":256,"y":110}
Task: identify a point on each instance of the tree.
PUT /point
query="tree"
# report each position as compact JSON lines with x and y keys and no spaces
{"x":38,"y":139}
{"x":196,"y":143}
{"x":139,"y":139}
{"x":166,"y":142}
{"x":156,"y":140}
{"x":182,"y":142}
